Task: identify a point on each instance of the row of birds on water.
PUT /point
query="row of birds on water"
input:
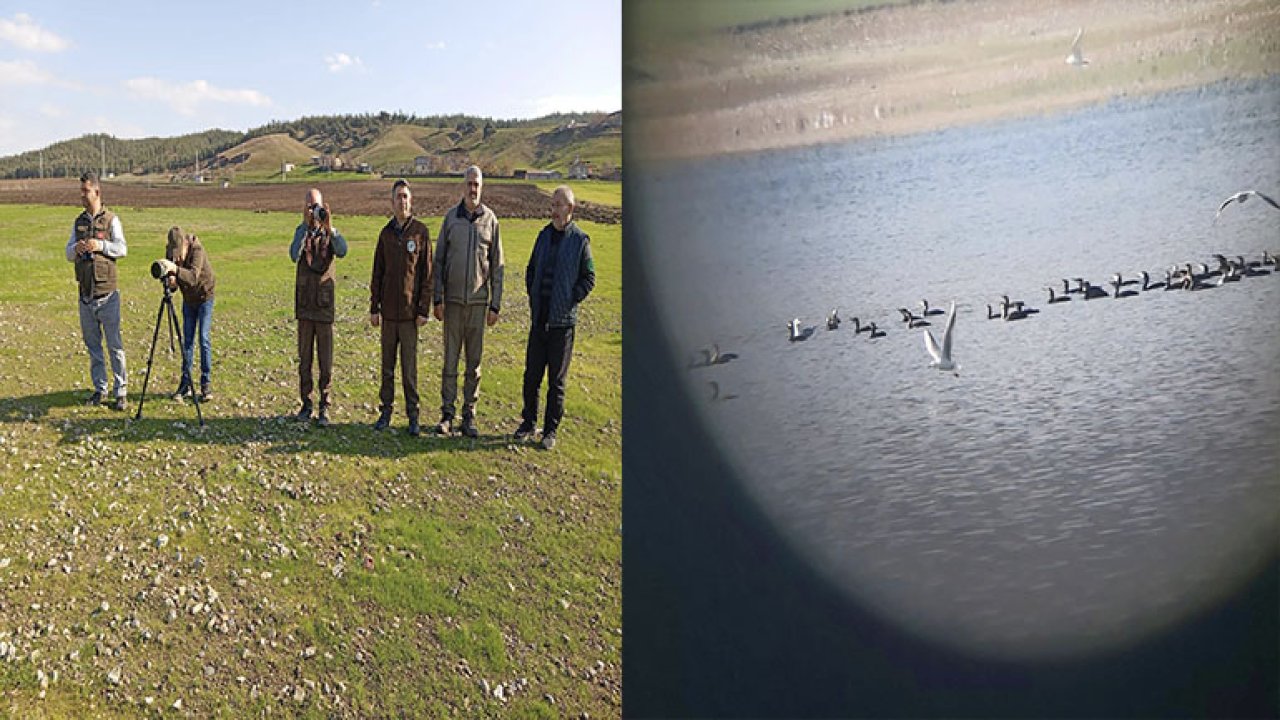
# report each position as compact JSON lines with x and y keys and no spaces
{"x":1188,"y":276}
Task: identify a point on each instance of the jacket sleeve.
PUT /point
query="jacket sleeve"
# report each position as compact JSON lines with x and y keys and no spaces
{"x":339,"y":243}
{"x":423,"y":274}
{"x":189,"y":277}
{"x":496,"y":269}
{"x":375,"y":282}
{"x":295,"y":248}
{"x":437,"y":263}
{"x":71,"y":245}
{"x":586,"y":272}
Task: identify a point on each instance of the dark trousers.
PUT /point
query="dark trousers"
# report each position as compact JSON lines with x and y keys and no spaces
{"x":548,"y":351}
{"x":317,"y":336}
{"x":399,"y":335}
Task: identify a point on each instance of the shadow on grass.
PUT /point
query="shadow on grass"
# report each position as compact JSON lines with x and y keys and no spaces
{"x":164,"y":419}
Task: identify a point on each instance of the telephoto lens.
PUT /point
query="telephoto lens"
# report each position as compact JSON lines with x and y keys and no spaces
{"x":320,"y":214}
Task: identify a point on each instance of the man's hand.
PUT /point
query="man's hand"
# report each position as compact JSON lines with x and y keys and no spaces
{"x":169,"y":268}
{"x":375,"y":319}
{"x":438,"y":311}
{"x":172,"y":281}
{"x":491,"y":319}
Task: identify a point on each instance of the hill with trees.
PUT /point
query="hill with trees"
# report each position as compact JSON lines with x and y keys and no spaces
{"x":393,"y":143}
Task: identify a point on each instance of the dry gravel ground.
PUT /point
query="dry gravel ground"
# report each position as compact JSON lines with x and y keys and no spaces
{"x":928,"y":65}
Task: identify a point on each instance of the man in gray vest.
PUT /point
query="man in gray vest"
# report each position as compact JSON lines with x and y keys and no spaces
{"x":315,"y":244}
{"x":467,"y":297}
{"x":97,"y":241}
{"x":560,"y":274}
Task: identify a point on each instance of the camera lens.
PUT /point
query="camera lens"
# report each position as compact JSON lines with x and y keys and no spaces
{"x":157,"y":269}
{"x":319,"y":213}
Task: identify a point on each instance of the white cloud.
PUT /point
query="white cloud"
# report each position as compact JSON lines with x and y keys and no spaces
{"x":437,"y":45}
{"x":50,"y":110}
{"x":341,"y":61}
{"x":186,"y":98}
{"x":24,"y":72}
{"x":604,"y":102}
{"x":26,"y":34}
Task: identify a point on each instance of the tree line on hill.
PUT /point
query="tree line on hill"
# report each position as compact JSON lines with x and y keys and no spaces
{"x":330,"y":134}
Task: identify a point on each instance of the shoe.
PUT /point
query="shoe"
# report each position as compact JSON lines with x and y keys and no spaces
{"x":322,"y":420}
{"x":206,"y":394}
{"x":119,"y":404}
{"x":445,"y":426}
{"x":548,"y":440}
{"x":469,"y":427}
{"x":183,"y":391}
{"x":304,"y":415}
{"x":524,"y":431}
{"x":414,"y":430}
{"x":94,"y":399}
{"x":384,"y":420}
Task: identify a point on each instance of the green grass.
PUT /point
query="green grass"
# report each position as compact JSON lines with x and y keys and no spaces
{"x":404,"y":574}
{"x":601,"y":192}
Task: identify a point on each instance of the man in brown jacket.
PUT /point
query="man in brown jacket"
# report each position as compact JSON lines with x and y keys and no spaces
{"x":467,"y":297}
{"x":315,"y":244}
{"x":194,"y":277}
{"x":400,"y":301}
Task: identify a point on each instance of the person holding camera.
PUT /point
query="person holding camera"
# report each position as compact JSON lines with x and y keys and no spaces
{"x":97,"y":242}
{"x":560,"y":274}
{"x":186,"y":267}
{"x":315,"y":244}
{"x":399,"y":301}
{"x":468,"y":295}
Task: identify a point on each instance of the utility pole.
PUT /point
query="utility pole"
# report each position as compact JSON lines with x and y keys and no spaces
{"x":41,"y":164}
{"x":102,"y":142}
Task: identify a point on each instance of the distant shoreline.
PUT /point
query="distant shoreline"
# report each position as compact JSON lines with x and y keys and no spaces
{"x":923,"y":67}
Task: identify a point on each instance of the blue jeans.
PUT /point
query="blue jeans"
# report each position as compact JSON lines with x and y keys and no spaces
{"x":98,"y":319}
{"x":193,"y":317}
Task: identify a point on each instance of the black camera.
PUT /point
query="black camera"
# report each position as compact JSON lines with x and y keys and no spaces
{"x":319,"y":213}
{"x":163,"y":268}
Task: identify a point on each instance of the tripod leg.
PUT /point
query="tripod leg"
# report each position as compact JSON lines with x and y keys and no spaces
{"x":155,"y":335}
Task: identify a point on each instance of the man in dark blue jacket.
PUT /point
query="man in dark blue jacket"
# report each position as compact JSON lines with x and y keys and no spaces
{"x":560,"y":274}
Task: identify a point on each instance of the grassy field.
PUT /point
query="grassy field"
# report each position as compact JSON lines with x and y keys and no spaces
{"x":255,"y":566}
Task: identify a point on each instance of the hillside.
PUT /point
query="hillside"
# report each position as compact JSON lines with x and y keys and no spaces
{"x":388,"y":143}
{"x":263,"y":155}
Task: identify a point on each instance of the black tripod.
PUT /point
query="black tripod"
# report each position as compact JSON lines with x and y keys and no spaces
{"x":166,"y":303}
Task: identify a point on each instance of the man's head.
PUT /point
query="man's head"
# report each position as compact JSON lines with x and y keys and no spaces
{"x":314,"y":198}
{"x":562,"y":205}
{"x":90,"y":192}
{"x":175,"y":248}
{"x":474,"y":184}
{"x":401,"y":200}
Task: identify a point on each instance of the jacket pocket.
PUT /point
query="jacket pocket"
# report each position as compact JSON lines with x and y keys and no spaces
{"x":324,"y":298}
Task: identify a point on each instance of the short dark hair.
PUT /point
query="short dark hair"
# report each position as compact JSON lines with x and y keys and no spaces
{"x":90,"y":177}
{"x":399,"y":184}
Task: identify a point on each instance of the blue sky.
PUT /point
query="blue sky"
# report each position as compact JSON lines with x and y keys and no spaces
{"x":140,"y":69}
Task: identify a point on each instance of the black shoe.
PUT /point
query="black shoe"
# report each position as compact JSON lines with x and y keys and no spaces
{"x":323,"y":419}
{"x":469,"y":427}
{"x":414,"y":430}
{"x":183,"y":391}
{"x":524,"y":432}
{"x":445,"y":426}
{"x":384,"y":420}
{"x":206,"y":394}
{"x":94,"y":399}
{"x":304,"y":415}
{"x":548,"y":440}
{"x":119,"y":404}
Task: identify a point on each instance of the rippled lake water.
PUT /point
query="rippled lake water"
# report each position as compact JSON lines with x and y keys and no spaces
{"x":1095,"y":471}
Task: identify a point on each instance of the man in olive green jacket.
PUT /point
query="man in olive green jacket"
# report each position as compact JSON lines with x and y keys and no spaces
{"x":467,"y":296}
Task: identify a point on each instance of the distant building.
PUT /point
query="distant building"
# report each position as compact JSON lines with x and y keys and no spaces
{"x":286,"y":167}
{"x":422,"y":165}
{"x":579,"y":170}
{"x":364,"y":168}
{"x":542,"y":175}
